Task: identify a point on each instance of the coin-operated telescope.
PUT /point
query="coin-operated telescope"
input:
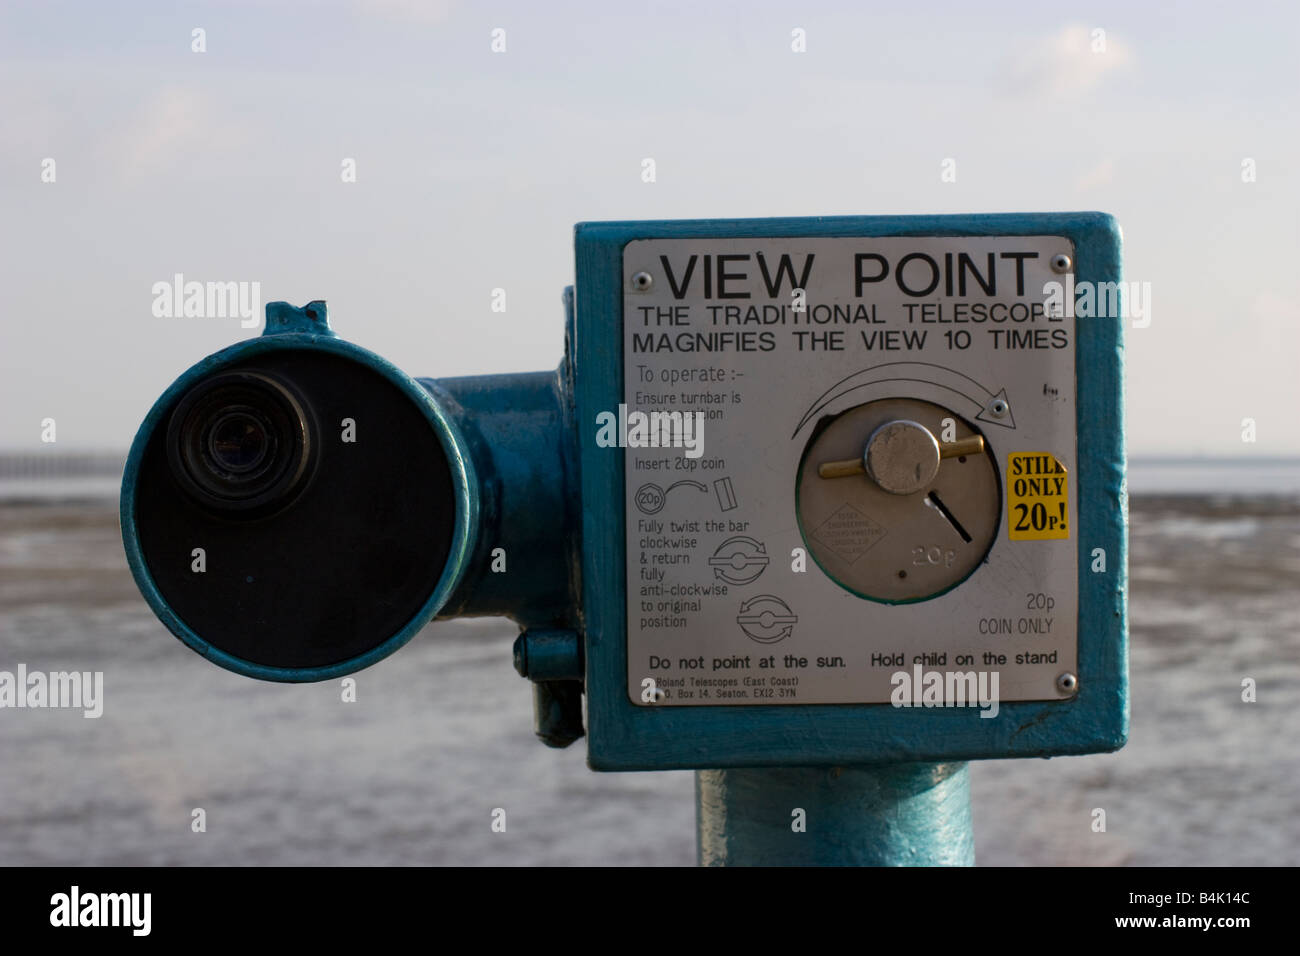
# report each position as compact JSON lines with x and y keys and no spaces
{"x":823,"y":508}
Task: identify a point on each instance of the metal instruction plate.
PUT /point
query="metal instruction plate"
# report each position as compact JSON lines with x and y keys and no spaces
{"x":846,"y":459}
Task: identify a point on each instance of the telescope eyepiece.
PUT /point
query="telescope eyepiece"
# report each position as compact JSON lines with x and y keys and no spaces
{"x":240,"y":443}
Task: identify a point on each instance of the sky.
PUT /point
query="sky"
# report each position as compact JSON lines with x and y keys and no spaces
{"x":472,"y":166}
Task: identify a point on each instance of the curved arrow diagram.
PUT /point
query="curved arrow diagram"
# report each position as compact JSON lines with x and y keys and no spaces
{"x":766,"y":619}
{"x":982,"y":398}
{"x":739,"y":560}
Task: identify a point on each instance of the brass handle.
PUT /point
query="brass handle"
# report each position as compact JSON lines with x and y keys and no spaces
{"x":974,"y":445}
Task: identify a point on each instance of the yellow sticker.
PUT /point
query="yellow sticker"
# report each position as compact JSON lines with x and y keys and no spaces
{"x":1038,"y":501}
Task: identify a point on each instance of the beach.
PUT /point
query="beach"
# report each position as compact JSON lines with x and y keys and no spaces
{"x":440,"y":735}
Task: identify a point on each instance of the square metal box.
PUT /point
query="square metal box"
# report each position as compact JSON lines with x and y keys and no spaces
{"x":746,"y":603}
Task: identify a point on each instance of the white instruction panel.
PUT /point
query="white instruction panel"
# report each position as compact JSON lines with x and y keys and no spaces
{"x":850,"y":470}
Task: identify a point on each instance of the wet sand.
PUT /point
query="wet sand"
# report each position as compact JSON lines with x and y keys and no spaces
{"x":441,"y":734}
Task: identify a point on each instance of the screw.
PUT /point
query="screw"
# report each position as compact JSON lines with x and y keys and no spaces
{"x":642,"y":281}
{"x":998,"y":408}
{"x":1061,"y":262}
{"x":1067,"y":683}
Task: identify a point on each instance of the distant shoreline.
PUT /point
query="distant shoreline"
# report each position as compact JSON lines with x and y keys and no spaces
{"x":96,"y":475}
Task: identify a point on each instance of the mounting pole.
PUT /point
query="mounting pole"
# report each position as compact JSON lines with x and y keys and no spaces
{"x":909,"y":814}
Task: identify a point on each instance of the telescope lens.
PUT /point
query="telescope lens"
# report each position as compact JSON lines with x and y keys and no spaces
{"x":239,"y":441}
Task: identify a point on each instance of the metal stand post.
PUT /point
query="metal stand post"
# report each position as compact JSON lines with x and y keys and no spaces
{"x":915,"y":814}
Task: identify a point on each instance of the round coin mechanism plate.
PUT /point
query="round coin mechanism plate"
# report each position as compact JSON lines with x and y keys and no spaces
{"x":888,"y":508}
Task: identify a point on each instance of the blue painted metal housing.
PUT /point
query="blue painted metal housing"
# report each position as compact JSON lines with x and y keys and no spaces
{"x":519,"y":435}
{"x":623,"y":736}
{"x":290,"y":327}
{"x":510,"y":443}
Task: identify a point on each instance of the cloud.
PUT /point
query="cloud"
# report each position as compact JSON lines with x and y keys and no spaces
{"x":177,"y":127}
{"x":1072,"y":61}
{"x":1103,"y":174}
{"x":1276,"y":312}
